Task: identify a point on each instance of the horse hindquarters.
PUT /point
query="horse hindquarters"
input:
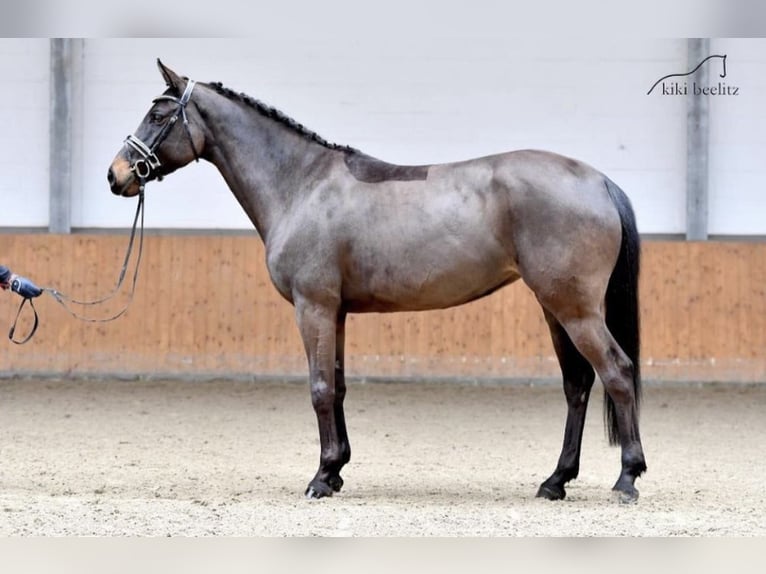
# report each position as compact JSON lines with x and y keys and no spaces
{"x":610,"y":344}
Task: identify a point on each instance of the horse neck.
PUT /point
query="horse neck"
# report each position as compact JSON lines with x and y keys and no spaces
{"x":263,"y":162}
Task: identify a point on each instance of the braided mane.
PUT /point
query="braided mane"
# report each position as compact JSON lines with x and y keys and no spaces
{"x":278,"y":116}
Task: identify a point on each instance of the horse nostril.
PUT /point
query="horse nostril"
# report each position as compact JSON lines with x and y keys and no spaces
{"x":110,"y":177}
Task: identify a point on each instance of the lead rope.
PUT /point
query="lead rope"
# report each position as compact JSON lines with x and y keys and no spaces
{"x":66,"y":302}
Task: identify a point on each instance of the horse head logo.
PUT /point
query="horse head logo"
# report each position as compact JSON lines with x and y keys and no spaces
{"x":722,"y":57}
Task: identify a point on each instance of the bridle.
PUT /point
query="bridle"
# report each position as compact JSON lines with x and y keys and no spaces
{"x":149,"y":162}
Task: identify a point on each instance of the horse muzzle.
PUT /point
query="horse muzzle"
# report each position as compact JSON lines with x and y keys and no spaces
{"x":122,"y":179}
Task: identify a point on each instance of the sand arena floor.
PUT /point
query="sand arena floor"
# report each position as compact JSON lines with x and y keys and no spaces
{"x":159,"y":458}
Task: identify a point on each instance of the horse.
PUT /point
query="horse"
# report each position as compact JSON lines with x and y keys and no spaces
{"x":345,"y":232}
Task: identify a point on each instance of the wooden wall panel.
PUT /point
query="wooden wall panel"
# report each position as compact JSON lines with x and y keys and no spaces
{"x":205,"y":306}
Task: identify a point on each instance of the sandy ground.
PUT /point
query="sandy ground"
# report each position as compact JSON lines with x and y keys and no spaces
{"x":171,"y":458}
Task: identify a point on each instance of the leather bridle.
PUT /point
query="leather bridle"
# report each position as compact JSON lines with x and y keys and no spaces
{"x":149,"y":163}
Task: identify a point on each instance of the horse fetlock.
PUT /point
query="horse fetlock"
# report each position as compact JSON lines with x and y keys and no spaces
{"x":635,"y":467}
{"x":335,"y":482}
{"x":345,"y":453}
{"x":633,"y":461}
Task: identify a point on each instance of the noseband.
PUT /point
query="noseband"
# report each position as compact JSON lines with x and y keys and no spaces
{"x":149,"y":162}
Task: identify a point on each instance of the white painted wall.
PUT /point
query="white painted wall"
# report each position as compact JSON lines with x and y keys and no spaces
{"x":423,"y":99}
{"x":738,"y":141}
{"x":428,"y":97}
{"x":24,"y":101}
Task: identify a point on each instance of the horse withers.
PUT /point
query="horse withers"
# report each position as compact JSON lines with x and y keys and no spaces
{"x":347,"y":233}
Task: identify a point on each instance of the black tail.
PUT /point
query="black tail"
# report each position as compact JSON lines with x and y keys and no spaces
{"x":622,"y":311}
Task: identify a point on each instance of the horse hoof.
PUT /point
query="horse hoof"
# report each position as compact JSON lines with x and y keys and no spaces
{"x":551,"y":492}
{"x":315,"y":491}
{"x":626,"y":496}
{"x":312,"y":494}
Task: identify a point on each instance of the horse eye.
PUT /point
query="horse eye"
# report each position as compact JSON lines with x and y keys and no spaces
{"x":156,"y":117}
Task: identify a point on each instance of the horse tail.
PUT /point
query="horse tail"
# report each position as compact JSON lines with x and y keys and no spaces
{"x":622,"y":310}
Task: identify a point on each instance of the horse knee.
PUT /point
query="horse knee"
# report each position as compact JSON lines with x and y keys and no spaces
{"x":322,"y":397}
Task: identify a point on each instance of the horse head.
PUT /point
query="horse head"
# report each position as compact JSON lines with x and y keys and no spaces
{"x":169,"y":137}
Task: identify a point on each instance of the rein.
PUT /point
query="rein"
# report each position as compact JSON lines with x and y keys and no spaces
{"x":143,"y":168}
{"x":66,"y":302}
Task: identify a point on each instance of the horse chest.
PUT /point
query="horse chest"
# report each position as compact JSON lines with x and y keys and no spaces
{"x":296,"y":265}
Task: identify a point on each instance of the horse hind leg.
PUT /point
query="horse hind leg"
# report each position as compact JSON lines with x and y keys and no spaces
{"x":578,"y":378}
{"x":593,"y":340}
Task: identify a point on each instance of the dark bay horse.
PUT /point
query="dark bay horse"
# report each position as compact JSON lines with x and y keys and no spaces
{"x":347,"y":233}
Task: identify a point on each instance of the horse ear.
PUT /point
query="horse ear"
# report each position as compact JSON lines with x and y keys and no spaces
{"x":172,"y":79}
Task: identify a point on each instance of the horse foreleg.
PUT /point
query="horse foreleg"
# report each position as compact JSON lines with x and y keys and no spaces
{"x":578,"y":380}
{"x":336,"y":482}
{"x":317,"y":324}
